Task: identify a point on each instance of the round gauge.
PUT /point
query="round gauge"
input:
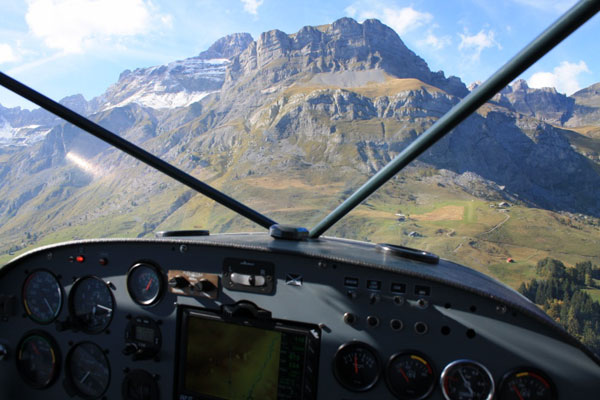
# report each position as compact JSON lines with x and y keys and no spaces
{"x":139,"y":385}
{"x":356,"y":366}
{"x":38,"y":359}
{"x":42,"y":296}
{"x":526,"y":384}
{"x":144,"y":284}
{"x":410,"y":376}
{"x":91,"y":303}
{"x":467,"y":380}
{"x":88,"y":370}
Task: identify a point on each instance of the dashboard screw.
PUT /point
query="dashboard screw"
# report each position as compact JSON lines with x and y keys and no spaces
{"x":349,"y":318}
{"x":422,"y":303}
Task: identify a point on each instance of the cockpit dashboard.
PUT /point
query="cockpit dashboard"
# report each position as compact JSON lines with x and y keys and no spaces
{"x":241,"y":316}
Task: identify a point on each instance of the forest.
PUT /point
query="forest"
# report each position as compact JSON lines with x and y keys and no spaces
{"x":560,"y":292}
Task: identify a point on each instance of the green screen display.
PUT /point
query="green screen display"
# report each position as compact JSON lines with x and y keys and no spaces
{"x":230,"y":361}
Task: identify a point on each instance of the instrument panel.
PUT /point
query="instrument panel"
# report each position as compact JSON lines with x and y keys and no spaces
{"x":248,"y":316}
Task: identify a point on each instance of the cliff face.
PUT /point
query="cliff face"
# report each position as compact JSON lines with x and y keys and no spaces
{"x":344,"y":45}
{"x":546,"y":104}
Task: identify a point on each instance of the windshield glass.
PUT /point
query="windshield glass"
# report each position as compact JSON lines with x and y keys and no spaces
{"x":290,"y":107}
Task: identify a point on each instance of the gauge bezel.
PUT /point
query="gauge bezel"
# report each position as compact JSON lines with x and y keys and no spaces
{"x":377,"y":359}
{"x":454,"y":363}
{"x":533,"y":370}
{"x":72,"y":293}
{"x":161,"y":284}
{"x":69,"y":374}
{"x":418,"y":354}
{"x":61,"y":292}
{"x":57,"y":358}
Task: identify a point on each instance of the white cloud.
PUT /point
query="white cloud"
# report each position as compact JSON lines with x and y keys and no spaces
{"x":73,"y":25}
{"x":402,"y":20}
{"x":251,"y":6}
{"x":7,"y":54}
{"x":563,"y":77}
{"x":437,"y":42}
{"x":478,"y":42}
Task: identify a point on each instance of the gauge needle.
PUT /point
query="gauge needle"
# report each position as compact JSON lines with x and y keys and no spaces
{"x":35,"y":349}
{"x":85,"y":377}
{"x":514,"y":387}
{"x":148,"y":285}
{"x":104,"y":308}
{"x":466,"y":382}
{"x":48,"y":304}
{"x":355,"y":364}
{"x":404,"y":374}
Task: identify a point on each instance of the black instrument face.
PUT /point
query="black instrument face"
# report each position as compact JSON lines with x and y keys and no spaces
{"x":92,"y":304}
{"x":88,"y":370}
{"x":38,"y":359}
{"x":139,"y":385}
{"x":42,"y":296}
{"x":145,"y":284}
{"x":410,"y":376}
{"x":356,"y":366}
{"x":467,"y":380}
{"x":526,"y":384}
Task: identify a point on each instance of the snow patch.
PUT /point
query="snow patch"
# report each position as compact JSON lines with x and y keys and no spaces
{"x":6,"y":131}
{"x":22,"y":136}
{"x":163,"y":100}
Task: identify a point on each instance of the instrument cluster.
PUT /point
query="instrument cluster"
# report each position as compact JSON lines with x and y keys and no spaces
{"x":410,"y":375}
{"x":84,"y":331}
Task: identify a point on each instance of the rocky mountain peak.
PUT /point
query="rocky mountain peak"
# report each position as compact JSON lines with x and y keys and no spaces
{"x":589,"y":96}
{"x":520,"y":85}
{"x":228,"y":46}
{"x":344,"y":45}
{"x":545,"y":104}
{"x":179,"y":83}
{"x":77,"y":103}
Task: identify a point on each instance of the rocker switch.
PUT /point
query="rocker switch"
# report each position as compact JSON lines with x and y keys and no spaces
{"x":248,"y":280}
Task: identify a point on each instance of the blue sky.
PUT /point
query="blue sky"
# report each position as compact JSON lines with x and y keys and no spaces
{"x":64,"y":47}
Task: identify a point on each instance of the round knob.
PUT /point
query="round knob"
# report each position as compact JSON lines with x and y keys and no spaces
{"x":179,"y":282}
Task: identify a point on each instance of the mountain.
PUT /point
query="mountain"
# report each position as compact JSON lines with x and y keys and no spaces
{"x":345,"y":45}
{"x":292,"y":123}
{"x":546,"y":104}
{"x":177,"y":84}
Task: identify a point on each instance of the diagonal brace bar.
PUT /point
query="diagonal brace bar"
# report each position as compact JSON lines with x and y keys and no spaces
{"x":559,"y":30}
{"x":133,"y":150}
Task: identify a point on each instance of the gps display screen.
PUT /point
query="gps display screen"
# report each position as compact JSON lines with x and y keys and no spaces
{"x":239,"y":360}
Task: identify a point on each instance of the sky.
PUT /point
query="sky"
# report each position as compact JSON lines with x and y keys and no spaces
{"x":66,"y":47}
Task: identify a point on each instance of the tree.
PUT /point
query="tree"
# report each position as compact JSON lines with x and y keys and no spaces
{"x":560,"y":293}
{"x":588,"y":279}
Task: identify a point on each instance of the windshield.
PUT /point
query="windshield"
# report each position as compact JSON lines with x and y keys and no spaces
{"x":290,"y":108}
